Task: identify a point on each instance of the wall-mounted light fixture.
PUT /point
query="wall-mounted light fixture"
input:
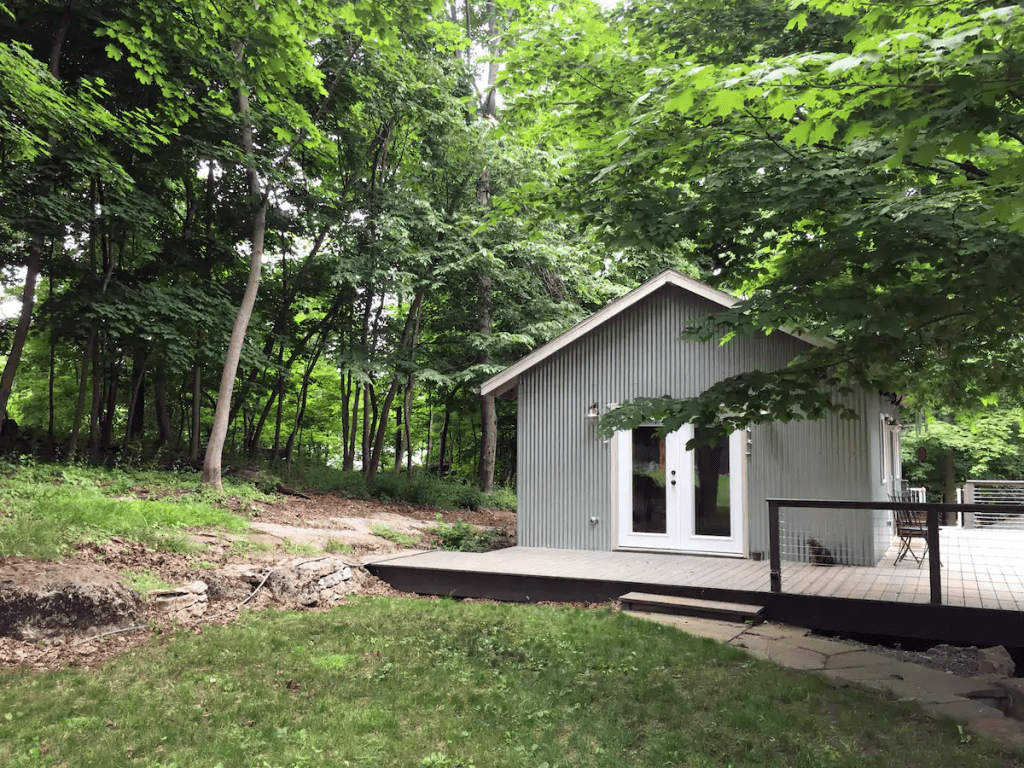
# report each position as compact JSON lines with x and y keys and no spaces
{"x":593,"y":413}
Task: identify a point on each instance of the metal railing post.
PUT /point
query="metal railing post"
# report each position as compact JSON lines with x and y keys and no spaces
{"x":934,"y":563}
{"x":774,"y":555}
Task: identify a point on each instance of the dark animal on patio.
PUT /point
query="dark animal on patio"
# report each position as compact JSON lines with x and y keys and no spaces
{"x":819,"y":553}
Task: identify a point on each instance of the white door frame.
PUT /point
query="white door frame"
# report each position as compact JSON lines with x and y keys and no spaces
{"x":680,"y":535}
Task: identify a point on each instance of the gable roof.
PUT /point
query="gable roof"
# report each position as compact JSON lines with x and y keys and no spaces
{"x":509,"y":378}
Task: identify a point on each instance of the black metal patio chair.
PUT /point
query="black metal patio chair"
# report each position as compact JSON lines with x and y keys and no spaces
{"x":910,"y":525}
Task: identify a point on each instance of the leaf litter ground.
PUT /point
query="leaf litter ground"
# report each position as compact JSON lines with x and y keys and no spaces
{"x":283,"y":529}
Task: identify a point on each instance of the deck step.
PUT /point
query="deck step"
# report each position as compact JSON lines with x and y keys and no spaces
{"x":689,"y":606}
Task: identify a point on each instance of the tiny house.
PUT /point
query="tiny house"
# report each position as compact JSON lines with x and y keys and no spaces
{"x":641,"y":491}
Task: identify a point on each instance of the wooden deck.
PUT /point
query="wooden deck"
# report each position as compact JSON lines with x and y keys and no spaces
{"x":983,"y":595}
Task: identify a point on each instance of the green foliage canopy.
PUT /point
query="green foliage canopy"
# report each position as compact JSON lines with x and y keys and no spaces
{"x":853,"y":170}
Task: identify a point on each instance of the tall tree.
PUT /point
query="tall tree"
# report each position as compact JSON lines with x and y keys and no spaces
{"x":852,"y":168}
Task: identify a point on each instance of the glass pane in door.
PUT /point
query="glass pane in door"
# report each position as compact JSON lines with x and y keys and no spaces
{"x":648,"y":482}
{"x":711,"y":489}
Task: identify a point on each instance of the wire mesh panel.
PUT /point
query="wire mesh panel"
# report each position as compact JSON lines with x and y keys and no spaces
{"x":994,"y":492}
{"x":833,"y":536}
{"x":898,"y":554}
{"x":983,"y":567}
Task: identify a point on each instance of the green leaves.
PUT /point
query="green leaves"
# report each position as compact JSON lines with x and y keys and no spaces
{"x":681,"y":102}
{"x":724,"y":103}
{"x":853,"y":170}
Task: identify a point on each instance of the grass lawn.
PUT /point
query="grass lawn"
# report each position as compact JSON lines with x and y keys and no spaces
{"x":46,"y":509}
{"x":403,"y":682}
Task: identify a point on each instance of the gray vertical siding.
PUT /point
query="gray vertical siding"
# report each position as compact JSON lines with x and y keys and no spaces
{"x":827,"y":459}
{"x":565,"y":469}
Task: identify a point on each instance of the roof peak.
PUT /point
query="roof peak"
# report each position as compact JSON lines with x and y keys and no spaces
{"x":509,"y":378}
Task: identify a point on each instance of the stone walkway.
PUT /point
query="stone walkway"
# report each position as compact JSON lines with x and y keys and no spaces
{"x":976,"y":702}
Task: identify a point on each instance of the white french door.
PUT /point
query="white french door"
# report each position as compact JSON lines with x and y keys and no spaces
{"x":673,"y":499}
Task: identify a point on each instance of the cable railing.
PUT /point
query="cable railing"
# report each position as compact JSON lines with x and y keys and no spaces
{"x":989,"y":493}
{"x":983,"y":568}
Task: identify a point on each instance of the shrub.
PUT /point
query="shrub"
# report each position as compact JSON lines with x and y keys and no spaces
{"x":502,"y":498}
{"x":426,"y":490}
{"x":467,"y":497}
{"x":461,"y":536}
{"x":318,"y":478}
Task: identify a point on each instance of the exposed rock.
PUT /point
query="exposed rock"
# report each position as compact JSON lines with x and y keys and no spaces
{"x":307,"y":581}
{"x":40,"y":600}
{"x":186,"y":601}
{"x":1014,"y":705}
{"x":996,"y":660}
{"x":949,"y":650}
{"x":990,"y":693}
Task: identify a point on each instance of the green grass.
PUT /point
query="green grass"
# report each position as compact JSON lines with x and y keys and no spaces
{"x":50,"y":508}
{"x":401,"y":682}
{"x":244,"y":546}
{"x":338,"y":547}
{"x":299,"y":548}
{"x":143,"y":581}
{"x":385,"y":531}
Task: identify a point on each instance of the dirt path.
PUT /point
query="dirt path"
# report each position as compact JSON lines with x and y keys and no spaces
{"x":281,"y":530}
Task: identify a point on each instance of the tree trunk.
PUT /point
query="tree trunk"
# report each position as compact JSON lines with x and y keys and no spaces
{"x":948,"y":468}
{"x":252,"y":447}
{"x":197,"y":413}
{"x":28,"y":298}
{"x":50,"y":379}
{"x":279,"y":419}
{"x":382,"y":425}
{"x":257,"y":433}
{"x":94,"y":412}
{"x":219,"y":432}
{"x":345,"y":382}
{"x":35,"y":248}
{"x":430,"y":435}
{"x":488,"y":413}
{"x":407,"y":403}
{"x":367,"y":388}
{"x":457,"y":447}
{"x":350,"y":453}
{"x":408,"y":342}
{"x":300,"y":408}
{"x":109,"y":414}
{"x":163,"y":419}
{"x":138,"y":411}
{"x":442,"y":449}
{"x":80,"y":403}
{"x":399,"y":456}
{"x":300,"y":413}
{"x":283,"y":313}
{"x":130,"y":429}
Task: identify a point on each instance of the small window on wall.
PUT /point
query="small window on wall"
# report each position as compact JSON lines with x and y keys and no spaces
{"x":889,"y":453}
